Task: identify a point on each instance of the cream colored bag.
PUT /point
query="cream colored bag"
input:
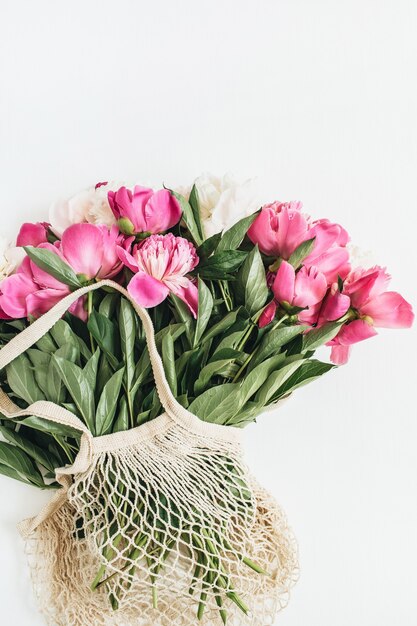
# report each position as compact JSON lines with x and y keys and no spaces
{"x":150,"y":513}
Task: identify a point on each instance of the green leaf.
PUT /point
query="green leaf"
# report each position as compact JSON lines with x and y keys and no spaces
{"x":227,"y":353}
{"x":205,"y":308}
{"x":223,"y":325}
{"x":106,"y":334}
{"x":195,"y":206}
{"x":51,"y":428}
{"x":90,"y":369}
{"x":233,"y":237}
{"x":188,"y":217}
{"x":11,"y":473}
{"x":108,"y":305}
{"x":256,"y":378}
{"x":63,"y":334}
{"x":301,"y":253}
{"x":275,"y":381}
{"x":216,"y":405}
{"x":208,"y":246}
{"x":40,"y":361}
{"x":184,"y":315}
{"x":55,"y":391}
{"x":274,"y":340}
{"x":206,"y":374}
{"x":20,"y":462}
{"x":35,"y":452}
{"x":128,"y":330}
{"x":78,"y":388}
{"x":122,"y":419}
{"x":46,"y":344}
{"x":306,"y":373}
{"x":21,"y":380}
{"x":319,"y":336}
{"x":168,"y":359}
{"x":51,"y":263}
{"x":220,"y":266}
{"x":251,"y":282}
{"x":106,"y":408}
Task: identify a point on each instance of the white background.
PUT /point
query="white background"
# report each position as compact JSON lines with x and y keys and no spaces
{"x":318,"y":99}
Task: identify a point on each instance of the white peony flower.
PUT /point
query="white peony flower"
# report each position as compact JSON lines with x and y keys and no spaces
{"x":90,"y":205}
{"x":10,"y":258}
{"x":224,"y":201}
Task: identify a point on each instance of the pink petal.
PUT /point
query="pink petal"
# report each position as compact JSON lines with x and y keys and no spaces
{"x":127,"y":259}
{"x":340,"y":354}
{"x":268,"y":314}
{"x":310,"y":315}
{"x":262,"y":233}
{"x":188,"y":294}
{"x":41,"y":301}
{"x":162,"y":212}
{"x":82,"y":247}
{"x":389,"y":310}
{"x":292,"y":230}
{"x":79,"y":309}
{"x":326,"y":235}
{"x":14,"y":292}
{"x":283,"y":287}
{"x":355,"y":331}
{"x":111,"y":263}
{"x":146,"y":290}
{"x":31,"y":235}
{"x":333,"y":263}
{"x":310,"y":287}
{"x":334,"y":307}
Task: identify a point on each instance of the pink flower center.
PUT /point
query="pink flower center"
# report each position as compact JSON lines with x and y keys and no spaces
{"x":166,"y":258}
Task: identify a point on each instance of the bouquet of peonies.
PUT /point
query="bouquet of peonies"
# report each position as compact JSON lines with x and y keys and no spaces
{"x":140,"y":330}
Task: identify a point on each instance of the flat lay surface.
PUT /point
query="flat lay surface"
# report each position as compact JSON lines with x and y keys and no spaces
{"x":316,"y":100}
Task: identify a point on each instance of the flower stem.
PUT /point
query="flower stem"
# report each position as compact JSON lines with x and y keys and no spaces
{"x":89,"y":311}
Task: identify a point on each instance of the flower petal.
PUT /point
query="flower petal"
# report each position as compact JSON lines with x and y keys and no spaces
{"x":14,"y":292}
{"x":340,"y":354}
{"x":43,"y":300}
{"x":146,"y":290}
{"x":283,"y":286}
{"x":82,"y":247}
{"x":162,"y":212}
{"x":334,"y":307}
{"x":268,"y":314}
{"x":127,"y":259}
{"x":262,"y":233}
{"x":389,"y":310}
{"x":355,"y":331}
{"x":310,"y":287}
{"x":31,"y":234}
{"x":188,"y":292}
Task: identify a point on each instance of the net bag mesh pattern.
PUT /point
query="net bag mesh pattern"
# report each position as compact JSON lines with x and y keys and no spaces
{"x":153,"y":522}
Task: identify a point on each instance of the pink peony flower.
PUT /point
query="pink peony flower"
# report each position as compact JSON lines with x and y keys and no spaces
{"x":160,"y":264}
{"x":90,"y":250}
{"x":32,"y":234}
{"x":281,"y":227}
{"x":305,"y":288}
{"x":374,"y":308}
{"x":144,"y":210}
{"x":29,"y":293}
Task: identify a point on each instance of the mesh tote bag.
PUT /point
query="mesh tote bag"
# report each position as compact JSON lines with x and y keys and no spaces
{"x":159,"y":525}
